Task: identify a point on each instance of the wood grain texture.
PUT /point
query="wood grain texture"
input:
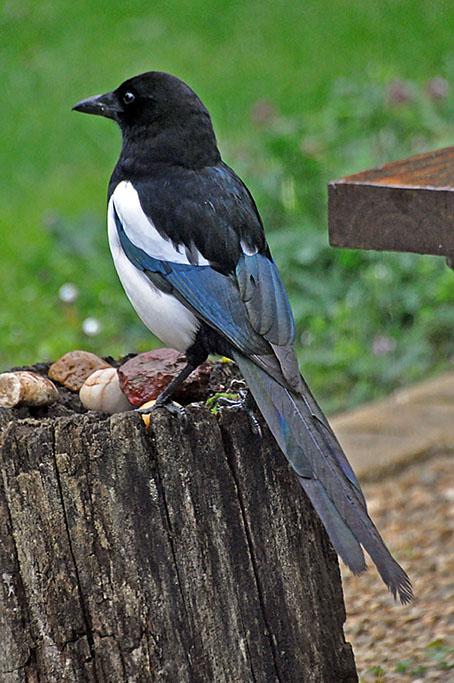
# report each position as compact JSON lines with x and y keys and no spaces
{"x":407,"y":205}
{"x":170,"y":555}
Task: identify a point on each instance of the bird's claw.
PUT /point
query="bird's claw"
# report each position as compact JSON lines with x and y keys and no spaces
{"x":228,"y":401}
{"x":175,"y":409}
{"x":238,"y":385}
{"x":236,"y":397}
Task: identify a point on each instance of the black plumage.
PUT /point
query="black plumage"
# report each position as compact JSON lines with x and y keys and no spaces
{"x":190,"y":249}
{"x":208,"y":207}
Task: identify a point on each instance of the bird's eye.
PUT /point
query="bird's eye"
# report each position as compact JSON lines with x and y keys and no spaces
{"x":128,"y":97}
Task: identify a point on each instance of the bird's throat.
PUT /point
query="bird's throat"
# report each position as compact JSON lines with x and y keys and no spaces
{"x":190,"y":147}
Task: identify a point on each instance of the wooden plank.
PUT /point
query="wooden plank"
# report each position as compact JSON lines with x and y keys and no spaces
{"x":407,"y":205}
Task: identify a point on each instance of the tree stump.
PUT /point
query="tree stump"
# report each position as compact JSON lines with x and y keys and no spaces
{"x":174,"y":554}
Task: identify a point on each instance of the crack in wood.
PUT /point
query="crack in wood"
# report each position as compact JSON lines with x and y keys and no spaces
{"x":250,"y":545}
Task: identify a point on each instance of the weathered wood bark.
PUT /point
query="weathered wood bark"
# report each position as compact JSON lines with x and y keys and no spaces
{"x":172,"y":555}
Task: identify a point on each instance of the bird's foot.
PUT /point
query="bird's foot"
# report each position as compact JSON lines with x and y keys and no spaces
{"x":236,"y":397}
{"x":175,"y":409}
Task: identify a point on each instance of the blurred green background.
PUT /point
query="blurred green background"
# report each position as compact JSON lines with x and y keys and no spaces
{"x":300,"y":93}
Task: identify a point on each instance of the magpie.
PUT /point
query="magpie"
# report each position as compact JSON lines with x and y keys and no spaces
{"x":189,"y":248}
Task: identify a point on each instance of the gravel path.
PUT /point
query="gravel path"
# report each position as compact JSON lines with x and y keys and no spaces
{"x":414,"y":510}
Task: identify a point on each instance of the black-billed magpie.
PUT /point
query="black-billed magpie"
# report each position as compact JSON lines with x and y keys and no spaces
{"x":189,"y":248}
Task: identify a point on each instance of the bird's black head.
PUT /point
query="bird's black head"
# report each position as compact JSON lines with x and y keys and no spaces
{"x":160,"y":116}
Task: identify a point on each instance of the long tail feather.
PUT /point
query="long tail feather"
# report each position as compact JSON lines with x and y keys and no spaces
{"x":303,"y":434}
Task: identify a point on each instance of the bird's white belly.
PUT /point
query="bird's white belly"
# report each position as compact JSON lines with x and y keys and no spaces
{"x":164,"y":315}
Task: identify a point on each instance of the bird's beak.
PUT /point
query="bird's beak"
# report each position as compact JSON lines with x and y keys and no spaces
{"x":102,"y":105}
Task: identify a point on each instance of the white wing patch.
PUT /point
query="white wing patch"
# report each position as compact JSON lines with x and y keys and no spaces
{"x":164,"y":315}
{"x":141,"y":231}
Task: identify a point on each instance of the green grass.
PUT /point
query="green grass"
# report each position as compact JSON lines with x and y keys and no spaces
{"x":325,"y":67}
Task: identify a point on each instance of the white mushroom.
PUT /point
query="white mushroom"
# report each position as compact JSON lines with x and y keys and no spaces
{"x":27,"y":389}
{"x":101,"y":391}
